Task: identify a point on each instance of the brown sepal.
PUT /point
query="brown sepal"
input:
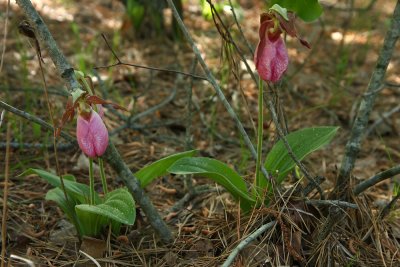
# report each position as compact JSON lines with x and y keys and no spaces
{"x":93,"y":99}
{"x":290,"y":28}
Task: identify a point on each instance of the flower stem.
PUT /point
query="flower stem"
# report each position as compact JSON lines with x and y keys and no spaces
{"x":259,"y":133}
{"x":91,"y":182}
{"x":103,"y":176}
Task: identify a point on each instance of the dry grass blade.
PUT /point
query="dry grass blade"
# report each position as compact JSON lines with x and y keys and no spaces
{"x":2,"y":117}
{"x":5,"y":197}
{"x":5,"y":36}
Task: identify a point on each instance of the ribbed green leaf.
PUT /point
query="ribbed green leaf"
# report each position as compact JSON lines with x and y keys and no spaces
{"x":303,"y":142}
{"x":218,"y":172}
{"x":78,"y":191}
{"x":118,"y":206}
{"x":159,"y":168}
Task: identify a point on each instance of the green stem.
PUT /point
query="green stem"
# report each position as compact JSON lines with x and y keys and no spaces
{"x":259,"y":133}
{"x":91,"y":181}
{"x":103,"y":176}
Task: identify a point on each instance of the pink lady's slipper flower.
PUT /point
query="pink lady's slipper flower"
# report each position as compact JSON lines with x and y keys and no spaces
{"x":271,"y":58}
{"x":92,"y":134}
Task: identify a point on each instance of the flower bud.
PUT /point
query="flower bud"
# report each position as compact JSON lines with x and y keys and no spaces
{"x":92,"y":134}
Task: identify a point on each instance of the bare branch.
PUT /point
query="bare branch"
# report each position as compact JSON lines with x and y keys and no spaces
{"x":367,"y":103}
{"x":121,"y":63}
{"x":379,"y":177}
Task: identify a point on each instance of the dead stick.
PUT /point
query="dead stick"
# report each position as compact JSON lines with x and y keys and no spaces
{"x":353,"y":145}
{"x":379,"y":177}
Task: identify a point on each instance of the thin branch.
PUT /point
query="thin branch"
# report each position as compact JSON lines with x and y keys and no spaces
{"x":51,"y":90}
{"x":229,"y":261}
{"x":367,"y":102}
{"x":382,"y":118}
{"x":310,"y":186}
{"x":386,"y":210}
{"x":112,"y":156}
{"x":361,"y":187}
{"x":197,"y":190}
{"x":392,"y":85}
{"x":131,"y":120}
{"x":215,"y":85}
{"x":240,"y":29}
{"x":227,"y":36}
{"x":44,"y":35}
{"x":189,"y":121}
{"x":338,"y":203}
{"x":121,"y":63}
{"x":17,"y":145}
{"x":37,"y":120}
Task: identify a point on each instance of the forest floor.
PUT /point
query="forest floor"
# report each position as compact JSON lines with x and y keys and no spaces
{"x":323,"y":86}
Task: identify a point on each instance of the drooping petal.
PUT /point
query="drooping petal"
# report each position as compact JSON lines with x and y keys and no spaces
{"x":92,"y":135}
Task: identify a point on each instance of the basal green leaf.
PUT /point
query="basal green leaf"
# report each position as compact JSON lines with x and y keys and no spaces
{"x":118,"y":206}
{"x":75,"y":190}
{"x":218,"y":172}
{"x":68,"y":207}
{"x":159,"y":168}
{"x":90,"y":224}
{"x":303,"y":142}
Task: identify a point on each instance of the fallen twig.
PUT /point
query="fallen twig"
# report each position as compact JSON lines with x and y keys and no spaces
{"x":379,"y":177}
{"x":229,"y":261}
{"x":338,"y":203}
